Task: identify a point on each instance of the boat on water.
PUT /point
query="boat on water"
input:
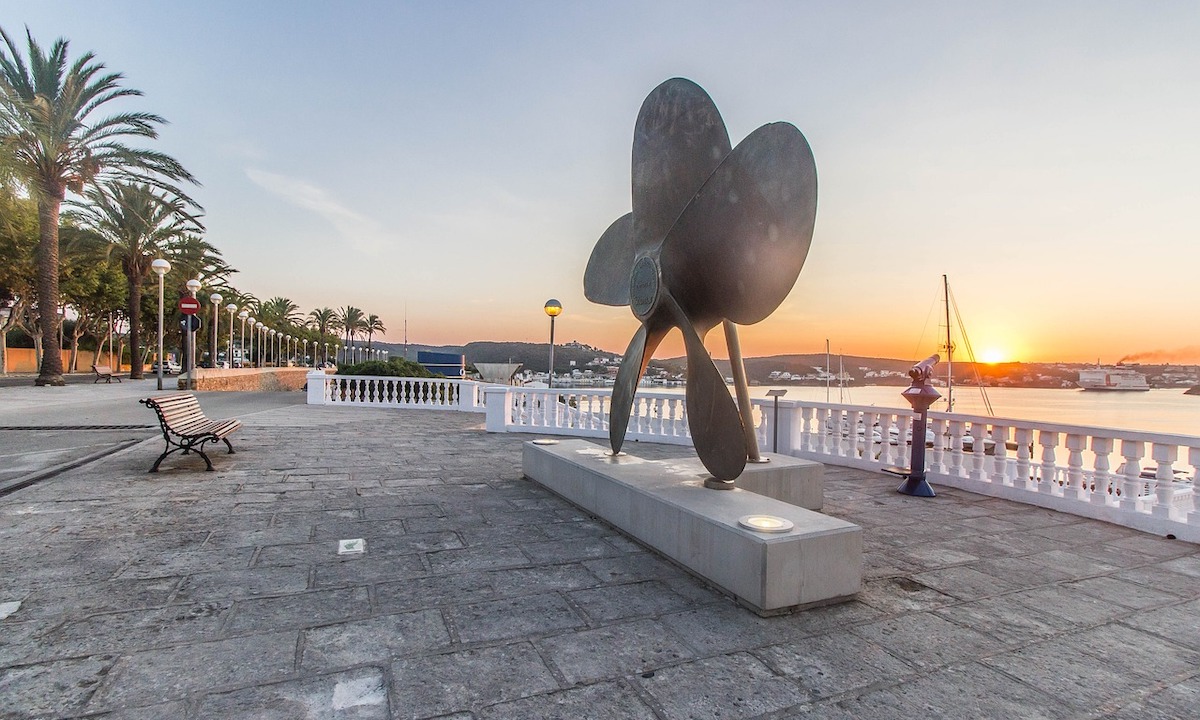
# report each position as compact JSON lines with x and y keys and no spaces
{"x":1113,"y":379}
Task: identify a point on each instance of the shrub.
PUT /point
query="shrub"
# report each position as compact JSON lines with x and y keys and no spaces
{"x":394,"y":367}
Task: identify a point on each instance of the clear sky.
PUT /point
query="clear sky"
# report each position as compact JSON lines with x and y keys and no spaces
{"x":459,"y":159}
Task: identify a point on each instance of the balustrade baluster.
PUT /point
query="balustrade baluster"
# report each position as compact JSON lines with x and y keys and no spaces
{"x":1075,"y":486}
{"x":1164,"y":456}
{"x":957,"y":428}
{"x":1131,"y":482}
{"x":978,"y":451}
{"x":1000,"y":474}
{"x":870,"y":444}
{"x":1193,"y":513}
{"x":939,"y":446}
{"x":1048,"y":469}
{"x":660,"y":424}
{"x":1103,"y":491}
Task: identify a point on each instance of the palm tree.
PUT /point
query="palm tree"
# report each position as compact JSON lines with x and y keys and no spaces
{"x":373,"y":325}
{"x":139,"y":225}
{"x":324,"y":321}
{"x":50,"y":143}
{"x":352,"y":322}
{"x":279,"y":312}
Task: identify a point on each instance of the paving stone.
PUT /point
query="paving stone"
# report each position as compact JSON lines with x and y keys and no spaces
{"x":618,"y":602}
{"x":476,"y":558}
{"x":376,"y":640}
{"x":82,"y":600}
{"x":51,"y":689}
{"x":1009,"y":622}
{"x":734,"y":686}
{"x":835,"y":663}
{"x":432,"y":592}
{"x":1025,"y":571}
{"x":958,"y":693}
{"x":1177,"y":623}
{"x":413,"y":542}
{"x":1139,"y":653}
{"x":1188,"y":565}
{"x":633,"y":567}
{"x":363,"y":569}
{"x":400,"y":512}
{"x":156,"y":676}
{"x":725,"y":627}
{"x":174,"y":710}
{"x":358,"y":694}
{"x":369,"y":529}
{"x":576,"y":529}
{"x":242,"y":584}
{"x":299,"y":554}
{"x":1172,"y":703}
{"x":1059,"y":668}
{"x":434,"y":685}
{"x":614,"y":651}
{"x":1068,"y":605}
{"x":528,"y":616}
{"x":1119,"y":592}
{"x":610,"y":700}
{"x":137,"y":629}
{"x":187,"y":562}
{"x":965,"y":583}
{"x":555,"y":551}
{"x":926,"y":640}
{"x":1158,"y":577}
{"x":300,"y":610}
{"x":544,"y":578}
{"x":290,"y":534}
{"x":897,"y":595}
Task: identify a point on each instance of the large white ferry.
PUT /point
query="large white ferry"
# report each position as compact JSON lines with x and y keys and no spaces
{"x":1112,"y":378}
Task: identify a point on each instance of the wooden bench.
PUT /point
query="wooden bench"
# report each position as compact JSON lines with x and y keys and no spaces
{"x":105,"y":373}
{"x":186,"y":428}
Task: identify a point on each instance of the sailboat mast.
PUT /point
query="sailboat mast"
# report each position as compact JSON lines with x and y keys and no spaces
{"x":827,"y":369}
{"x":949,"y":347}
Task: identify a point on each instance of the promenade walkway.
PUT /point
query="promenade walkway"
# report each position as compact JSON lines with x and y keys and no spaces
{"x":480,"y":595}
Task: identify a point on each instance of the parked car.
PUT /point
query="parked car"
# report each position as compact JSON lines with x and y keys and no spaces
{"x":169,"y":368}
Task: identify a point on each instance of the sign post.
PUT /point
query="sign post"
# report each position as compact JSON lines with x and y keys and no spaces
{"x":189,"y":306}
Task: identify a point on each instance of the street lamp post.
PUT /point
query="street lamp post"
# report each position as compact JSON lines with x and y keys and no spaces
{"x":160,"y":267}
{"x":553,"y":308}
{"x":306,"y":351}
{"x":215,"y":299}
{"x":193,"y":286}
{"x":229,"y":346}
{"x":325,"y":355}
{"x":253,"y":335}
{"x":242,"y":316}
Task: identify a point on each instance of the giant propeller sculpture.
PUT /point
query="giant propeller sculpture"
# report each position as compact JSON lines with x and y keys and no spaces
{"x":717,"y":236}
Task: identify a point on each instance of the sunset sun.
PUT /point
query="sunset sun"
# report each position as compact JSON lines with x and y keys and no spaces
{"x":992,"y":356}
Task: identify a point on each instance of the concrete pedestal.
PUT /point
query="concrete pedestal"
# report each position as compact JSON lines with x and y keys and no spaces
{"x":664,"y":504}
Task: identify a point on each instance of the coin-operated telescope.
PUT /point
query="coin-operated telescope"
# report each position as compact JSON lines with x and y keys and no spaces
{"x":920,"y":395}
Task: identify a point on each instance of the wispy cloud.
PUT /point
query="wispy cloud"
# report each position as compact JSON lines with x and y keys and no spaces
{"x":363,"y":233}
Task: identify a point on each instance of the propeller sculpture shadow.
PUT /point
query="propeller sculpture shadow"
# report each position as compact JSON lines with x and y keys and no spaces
{"x":717,"y":235}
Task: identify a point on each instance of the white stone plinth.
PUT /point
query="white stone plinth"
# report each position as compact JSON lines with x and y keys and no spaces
{"x":664,"y":504}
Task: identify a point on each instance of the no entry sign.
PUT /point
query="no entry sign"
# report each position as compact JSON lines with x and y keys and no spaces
{"x":189,"y":305}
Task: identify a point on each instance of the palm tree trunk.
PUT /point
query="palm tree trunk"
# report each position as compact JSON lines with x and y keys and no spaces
{"x":51,"y":370}
{"x":135,"y":326}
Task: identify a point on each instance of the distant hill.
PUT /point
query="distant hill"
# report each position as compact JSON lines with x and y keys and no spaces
{"x":533,"y":356}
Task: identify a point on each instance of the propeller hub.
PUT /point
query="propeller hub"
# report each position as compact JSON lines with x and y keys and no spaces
{"x":644,"y":284}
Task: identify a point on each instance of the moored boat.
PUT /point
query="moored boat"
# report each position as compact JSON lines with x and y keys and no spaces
{"x":1112,"y":378}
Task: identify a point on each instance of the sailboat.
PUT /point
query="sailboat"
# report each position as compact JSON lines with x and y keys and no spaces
{"x":948,"y":348}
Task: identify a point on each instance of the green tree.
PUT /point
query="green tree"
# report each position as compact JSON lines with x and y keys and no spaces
{"x":373,"y":325}
{"x":91,"y":283}
{"x":18,"y":239}
{"x":50,"y":142}
{"x":139,"y":225}
{"x":352,"y":321}
{"x":325,"y":322}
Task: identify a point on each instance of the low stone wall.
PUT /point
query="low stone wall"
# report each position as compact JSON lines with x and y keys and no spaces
{"x":248,"y":379}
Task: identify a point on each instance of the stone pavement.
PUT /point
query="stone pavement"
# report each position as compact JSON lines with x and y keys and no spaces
{"x":220,"y":595}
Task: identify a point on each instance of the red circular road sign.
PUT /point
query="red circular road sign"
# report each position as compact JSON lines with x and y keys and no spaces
{"x":189,"y":305}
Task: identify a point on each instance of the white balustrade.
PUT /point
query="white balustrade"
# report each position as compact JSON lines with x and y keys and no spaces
{"x":1071,"y":472}
{"x":396,"y":392}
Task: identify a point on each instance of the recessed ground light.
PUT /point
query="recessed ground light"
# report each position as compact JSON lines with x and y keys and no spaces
{"x":545,"y":441}
{"x":357,"y":546}
{"x":765,"y":523}
{"x":8,"y":608}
